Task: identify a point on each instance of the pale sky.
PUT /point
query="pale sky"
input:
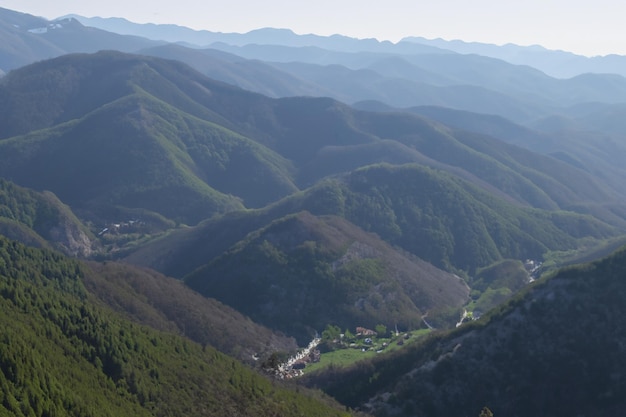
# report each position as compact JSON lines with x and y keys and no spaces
{"x":581,"y":26}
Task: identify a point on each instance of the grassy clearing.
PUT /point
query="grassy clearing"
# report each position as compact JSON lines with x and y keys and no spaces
{"x":347,"y":355}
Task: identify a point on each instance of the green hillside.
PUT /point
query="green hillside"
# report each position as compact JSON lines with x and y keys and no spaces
{"x":444,"y":219}
{"x":147,"y":297}
{"x":430,"y":213}
{"x":557,"y":349}
{"x":61,"y":354}
{"x":135,"y":150}
{"x":526,"y":177}
{"x":110,"y":133}
{"x":42,"y":220}
{"x":272,"y":219}
{"x":301,"y":273}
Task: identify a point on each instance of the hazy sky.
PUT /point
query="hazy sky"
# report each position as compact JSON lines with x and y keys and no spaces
{"x":581,"y":26}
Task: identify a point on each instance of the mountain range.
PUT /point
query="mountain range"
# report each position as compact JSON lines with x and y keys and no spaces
{"x":133,"y":139}
{"x":405,"y":74}
{"x":237,"y":194}
{"x":559,"y":64}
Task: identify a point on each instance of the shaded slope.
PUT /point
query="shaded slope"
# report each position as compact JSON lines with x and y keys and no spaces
{"x":93,"y":363}
{"x":592,"y":142}
{"x":444,"y":219}
{"x":137,"y":172}
{"x":147,"y":297}
{"x":250,"y":75}
{"x":534,"y":179}
{"x":295,"y":128}
{"x":441,"y":218}
{"x":556,"y":350}
{"x":154,"y":133}
{"x":27,"y":39}
{"x":301,"y":273}
{"x":41,"y":220}
{"x":135,"y":149}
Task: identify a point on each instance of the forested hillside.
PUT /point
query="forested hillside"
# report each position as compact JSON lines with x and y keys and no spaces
{"x":302,"y":272}
{"x":42,"y":220}
{"x":557,"y":349}
{"x":63,"y":355}
{"x":176,"y":221}
{"x":147,"y":297}
{"x":140,"y":147}
{"x":427,"y":212}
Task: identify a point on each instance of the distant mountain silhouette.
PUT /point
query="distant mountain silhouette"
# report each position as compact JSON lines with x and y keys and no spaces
{"x":559,"y":64}
{"x":25,"y":39}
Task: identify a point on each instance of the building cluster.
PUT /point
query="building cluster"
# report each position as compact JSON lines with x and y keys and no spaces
{"x":293,"y":367}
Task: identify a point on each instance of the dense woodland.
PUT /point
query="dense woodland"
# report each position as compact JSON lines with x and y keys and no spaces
{"x":175,"y":221}
{"x":63,"y":354}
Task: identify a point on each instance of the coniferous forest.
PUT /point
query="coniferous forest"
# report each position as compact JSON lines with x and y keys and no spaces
{"x":270,"y":224}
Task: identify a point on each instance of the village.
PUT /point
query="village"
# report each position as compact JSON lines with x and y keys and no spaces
{"x":341,"y":349}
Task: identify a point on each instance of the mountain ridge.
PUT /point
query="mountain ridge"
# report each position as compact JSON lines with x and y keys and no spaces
{"x":547,"y":60}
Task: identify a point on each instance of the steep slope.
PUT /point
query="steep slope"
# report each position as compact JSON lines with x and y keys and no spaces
{"x":144,"y":296}
{"x":20,"y":46}
{"x":27,"y":39}
{"x":557,"y":349}
{"x":125,"y":135}
{"x":437,"y":216}
{"x":589,"y":137}
{"x":147,"y":297}
{"x":61,"y":354}
{"x":301,"y":273}
{"x":297,"y":129}
{"x":445,"y":219}
{"x":41,"y":220}
{"x":133,"y":149}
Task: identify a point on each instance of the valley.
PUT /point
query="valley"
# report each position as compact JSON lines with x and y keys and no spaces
{"x":278,"y":224}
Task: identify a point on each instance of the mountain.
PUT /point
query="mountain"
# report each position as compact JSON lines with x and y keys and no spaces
{"x":556,"y":349}
{"x":127,"y":139}
{"x":251,"y":75}
{"x":559,"y":64}
{"x":465,"y":82}
{"x":441,"y":217}
{"x":42,"y":220}
{"x":138,"y":137}
{"x":516,"y":81}
{"x":301,"y":273}
{"x":142,"y":295}
{"x":146,"y":297}
{"x":587,"y":137}
{"x":122,"y":137}
{"x":266,"y":36}
{"x":351,"y":70}
{"x":291,"y":214}
{"x":63,"y":354}
{"x":27,"y":39}
{"x":369,"y":83}
{"x":249,"y":260}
